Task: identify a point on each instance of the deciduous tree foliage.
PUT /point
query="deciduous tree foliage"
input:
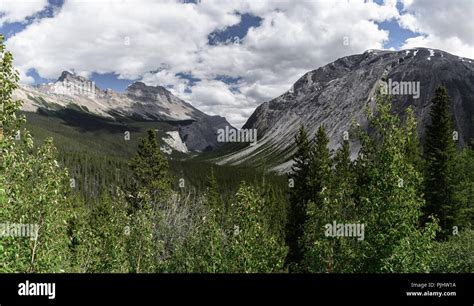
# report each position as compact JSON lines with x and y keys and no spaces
{"x":380,"y":190}
{"x":463,"y":194}
{"x":388,"y":196}
{"x":33,"y":189}
{"x":243,"y":244}
{"x":152,"y":228}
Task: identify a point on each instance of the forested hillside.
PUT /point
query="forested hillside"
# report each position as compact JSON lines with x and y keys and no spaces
{"x":408,"y":203}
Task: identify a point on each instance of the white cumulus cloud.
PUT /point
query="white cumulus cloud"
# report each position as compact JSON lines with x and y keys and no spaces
{"x":154,"y":40}
{"x":19,"y":10}
{"x":446,"y":25}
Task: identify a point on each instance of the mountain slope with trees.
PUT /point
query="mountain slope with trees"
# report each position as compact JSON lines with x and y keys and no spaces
{"x":339,"y":93}
{"x":157,"y":222}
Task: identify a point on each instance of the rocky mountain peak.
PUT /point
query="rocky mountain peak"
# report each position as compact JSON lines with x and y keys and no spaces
{"x":339,"y":92}
{"x":143,"y":92}
{"x":67,"y":76}
{"x":196,"y":130}
{"x":142,"y":87}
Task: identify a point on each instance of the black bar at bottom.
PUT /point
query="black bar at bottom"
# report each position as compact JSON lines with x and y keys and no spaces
{"x":296,"y":289}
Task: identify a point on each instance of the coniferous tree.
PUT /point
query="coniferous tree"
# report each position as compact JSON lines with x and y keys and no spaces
{"x":299,"y":195}
{"x":275,"y":209}
{"x":321,"y":164}
{"x":439,"y":153}
{"x":150,"y":194}
{"x":313,"y":165}
{"x":331,"y":254}
{"x":150,"y":171}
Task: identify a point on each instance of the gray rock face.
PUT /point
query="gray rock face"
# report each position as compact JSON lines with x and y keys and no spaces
{"x":140,"y":102}
{"x":156,"y":102}
{"x":338,"y":93}
{"x":197,"y":129}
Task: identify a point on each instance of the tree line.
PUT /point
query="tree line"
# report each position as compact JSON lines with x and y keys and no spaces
{"x":411,"y":201}
{"x":408,"y":199}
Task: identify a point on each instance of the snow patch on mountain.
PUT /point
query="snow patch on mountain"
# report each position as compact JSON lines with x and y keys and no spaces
{"x":431,"y":54}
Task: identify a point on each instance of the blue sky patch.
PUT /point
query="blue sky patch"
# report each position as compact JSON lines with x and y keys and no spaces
{"x":232,"y":34}
{"x":38,"y":80}
{"x":235,"y":33}
{"x":228,"y":79}
{"x":10,"y":29}
{"x":397,"y":35}
{"x":110,"y":80}
{"x":189,"y":77}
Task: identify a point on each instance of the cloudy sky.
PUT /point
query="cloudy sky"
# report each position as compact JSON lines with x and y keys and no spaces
{"x":223,"y":56}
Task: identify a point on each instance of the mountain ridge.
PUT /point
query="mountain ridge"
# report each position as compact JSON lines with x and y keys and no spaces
{"x":339,"y":92}
{"x":139,"y":102}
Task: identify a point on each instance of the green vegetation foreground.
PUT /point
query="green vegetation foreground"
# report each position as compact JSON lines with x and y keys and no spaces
{"x":148,"y":226}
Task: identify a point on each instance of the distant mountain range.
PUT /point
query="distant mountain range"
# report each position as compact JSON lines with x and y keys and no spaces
{"x":339,"y":92}
{"x":192,"y":129}
{"x":334,"y":95}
